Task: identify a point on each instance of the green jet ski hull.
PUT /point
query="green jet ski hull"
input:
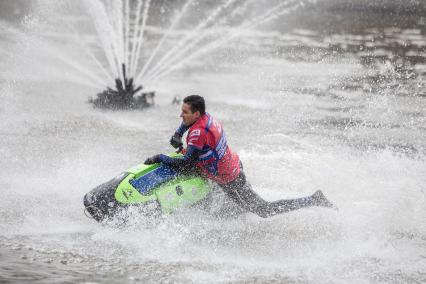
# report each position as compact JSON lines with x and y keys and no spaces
{"x":152,"y":189}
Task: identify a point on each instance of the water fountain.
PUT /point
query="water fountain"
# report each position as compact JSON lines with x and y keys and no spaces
{"x":128,"y":57}
{"x":123,"y":97}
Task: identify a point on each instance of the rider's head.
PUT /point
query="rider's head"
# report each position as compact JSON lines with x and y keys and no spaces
{"x":192,"y":109}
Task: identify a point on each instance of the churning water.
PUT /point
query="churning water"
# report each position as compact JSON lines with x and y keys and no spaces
{"x":322,"y":98}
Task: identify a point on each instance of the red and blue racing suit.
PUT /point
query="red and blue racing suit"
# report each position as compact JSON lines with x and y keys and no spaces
{"x":208,"y":149}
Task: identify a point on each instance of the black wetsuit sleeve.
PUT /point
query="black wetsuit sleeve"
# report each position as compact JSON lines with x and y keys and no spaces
{"x":185,"y":163}
{"x":182,"y":129}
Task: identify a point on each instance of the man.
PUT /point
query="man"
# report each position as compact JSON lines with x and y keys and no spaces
{"x":208,"y":152}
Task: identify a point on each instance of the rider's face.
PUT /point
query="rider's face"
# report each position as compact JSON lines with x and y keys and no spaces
{"x":189,"y":117}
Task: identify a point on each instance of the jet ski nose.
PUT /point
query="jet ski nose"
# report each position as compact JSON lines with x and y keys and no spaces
{"x":91,"y":210}
{"x":100,"y":203}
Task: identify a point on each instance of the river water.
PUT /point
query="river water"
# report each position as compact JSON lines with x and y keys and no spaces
{"x":335,"y":103}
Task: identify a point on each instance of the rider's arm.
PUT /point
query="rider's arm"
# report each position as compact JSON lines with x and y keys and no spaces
{"x":182,"y":163}
{"x":181,"y":130}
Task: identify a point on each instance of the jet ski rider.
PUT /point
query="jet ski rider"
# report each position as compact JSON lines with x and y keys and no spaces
{"x":209,"y":154}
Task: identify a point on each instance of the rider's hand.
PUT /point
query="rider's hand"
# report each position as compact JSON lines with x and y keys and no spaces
{"x":176,"y":141}
{"x":152,"y":160}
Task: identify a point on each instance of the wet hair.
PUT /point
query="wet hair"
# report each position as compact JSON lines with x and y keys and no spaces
{"x":196,"y":102}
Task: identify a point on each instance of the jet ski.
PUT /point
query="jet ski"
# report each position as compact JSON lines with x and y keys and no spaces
{"x":150,"y":190}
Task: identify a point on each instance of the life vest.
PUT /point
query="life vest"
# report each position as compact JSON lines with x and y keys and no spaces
{"x":216,"y":161}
